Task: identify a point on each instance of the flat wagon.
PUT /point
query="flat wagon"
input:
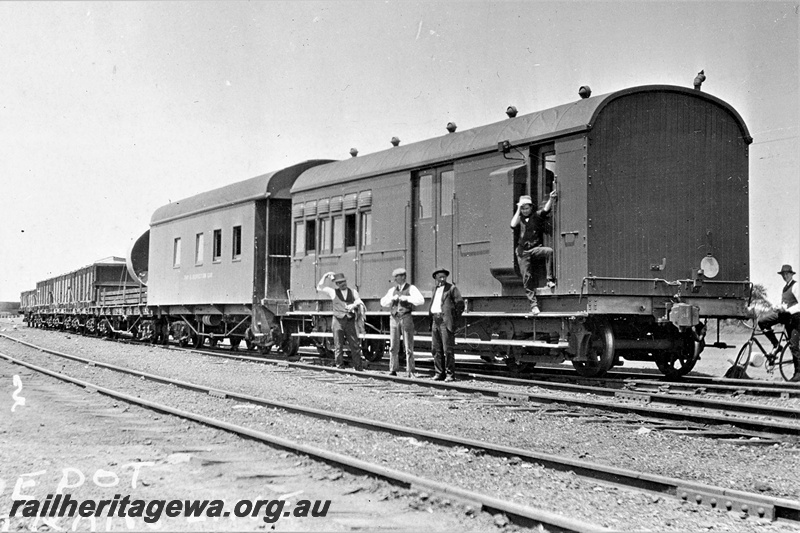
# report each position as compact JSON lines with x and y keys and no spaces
{"x":97,"y":298}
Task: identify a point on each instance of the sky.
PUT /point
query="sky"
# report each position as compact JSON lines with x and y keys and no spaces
{"x":109,"y":110}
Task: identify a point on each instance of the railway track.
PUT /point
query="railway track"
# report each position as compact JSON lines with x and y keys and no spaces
{"x":715,"y":497}
{"x":690,"y":414}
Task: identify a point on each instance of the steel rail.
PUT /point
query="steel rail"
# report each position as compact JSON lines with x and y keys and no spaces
{"x":769,"y":427}
{"x":518,"y":513}
{"x":716,"y":497}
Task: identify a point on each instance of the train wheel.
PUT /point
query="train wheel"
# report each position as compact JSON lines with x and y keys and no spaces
{"x":289,"y":346}
{"x":265,"y":349}
{"x":677,"y":363}
{"x":373,"y":349}
{"x":212,"y":342}
{"x":196,"y":340}
{"x":599,"y":352}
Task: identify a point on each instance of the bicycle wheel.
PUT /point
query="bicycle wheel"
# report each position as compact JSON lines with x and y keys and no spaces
{"x":786,"y":363}
{"x":743,"y":359}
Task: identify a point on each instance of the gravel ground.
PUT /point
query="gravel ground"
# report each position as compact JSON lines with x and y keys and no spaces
{"x":770,"y":470}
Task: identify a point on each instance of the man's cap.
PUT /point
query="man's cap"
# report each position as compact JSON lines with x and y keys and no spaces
{"x":524,"y":199}
{"x":339,"y":277}
{"x":787,"y":268}
{"x":398,"y":271}
{"x":439,"y":270}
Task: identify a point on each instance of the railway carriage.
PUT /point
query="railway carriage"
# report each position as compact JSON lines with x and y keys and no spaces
{"x":650,"y":230}
{"x":216,"y":264}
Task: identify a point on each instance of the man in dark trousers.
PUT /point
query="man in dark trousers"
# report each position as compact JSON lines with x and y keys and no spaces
{"x":787,"y":315}
{"x":531,"y":244}
{"x":447,"y":305}
{"x":345,"y":307}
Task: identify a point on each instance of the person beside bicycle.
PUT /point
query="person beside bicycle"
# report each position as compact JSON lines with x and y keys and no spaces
{"x":787,"y":315}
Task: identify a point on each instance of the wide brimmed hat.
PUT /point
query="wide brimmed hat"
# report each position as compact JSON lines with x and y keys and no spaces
{"x":438,"y":270}
{"x":786,"y":268}
{"x":525,"y":199}
{"x":398,"y":272}
{"x":339,"y":277}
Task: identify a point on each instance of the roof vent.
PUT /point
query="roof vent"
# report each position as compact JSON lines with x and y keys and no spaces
{"x":585,"y":91}
{"x":353,"y":152}
{"x":699,"y":79}
{"x":451,"y":127}
{"x":511,"y":111}
{"x":395,"y":141}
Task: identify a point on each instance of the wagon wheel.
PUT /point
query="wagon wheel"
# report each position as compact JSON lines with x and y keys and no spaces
{"x":599,"y":351}
{"x":514,"y":364}
{"x":105,"y":329}
{"x":679,"y":362}
{"x":264,"y":349}
{"x":183,"y":335}
{"x":235,"y":341}
{"x":196,"y":340}
{"x":289,"y":346}
{"x":373,"y":349}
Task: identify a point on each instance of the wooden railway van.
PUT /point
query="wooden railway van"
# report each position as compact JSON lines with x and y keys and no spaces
{"x":650,"y":229}
{"x":98,"y":298}
{"x":217,"y":264}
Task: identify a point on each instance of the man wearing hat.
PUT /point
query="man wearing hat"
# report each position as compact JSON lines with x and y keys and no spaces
{"x":788,"y":315}
{"x":401,"y":299}
{"x":346,"y":305}
{"x":446,"y":306}
{"x":530,"y":248}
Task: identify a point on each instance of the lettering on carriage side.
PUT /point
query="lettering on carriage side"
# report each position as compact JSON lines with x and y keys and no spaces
{"x":18,"y":400}
{"x":201,"y":275}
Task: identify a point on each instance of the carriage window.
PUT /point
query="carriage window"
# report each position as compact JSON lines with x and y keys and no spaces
{"x":237,"y":243}
{"x":199,"y":248}
{"x":311,"y":236}
{"x":426,"y":196}
{"x":217,"y":246}
{"x":324,"y":235}
{"x":349,"y":231}
{"x":299,"y":238}
{"x":176,"y":253}
{"x":448,"y":191}
{"x":338,"y":233}
{"x":366,"y":229}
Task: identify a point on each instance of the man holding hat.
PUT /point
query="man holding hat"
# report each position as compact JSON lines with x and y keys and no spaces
{"x":346,"y":305}
{"x":531,"y":244}
{"x":789,"y":316}
{"x":401,"y":299}
{"x":446,"y":306}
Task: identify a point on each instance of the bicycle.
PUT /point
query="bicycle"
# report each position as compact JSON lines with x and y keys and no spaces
{"x":781,"y":357}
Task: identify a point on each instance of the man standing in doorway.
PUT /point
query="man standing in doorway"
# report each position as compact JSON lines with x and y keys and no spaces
{"x":531,"y":247}
{"x":401,"y":300}
{"x":446,"y":306}
{"x":345,"y":308}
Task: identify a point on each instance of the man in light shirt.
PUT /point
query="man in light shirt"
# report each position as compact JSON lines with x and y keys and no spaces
{"x":401,"y":300}
{"x":446,"y":306}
